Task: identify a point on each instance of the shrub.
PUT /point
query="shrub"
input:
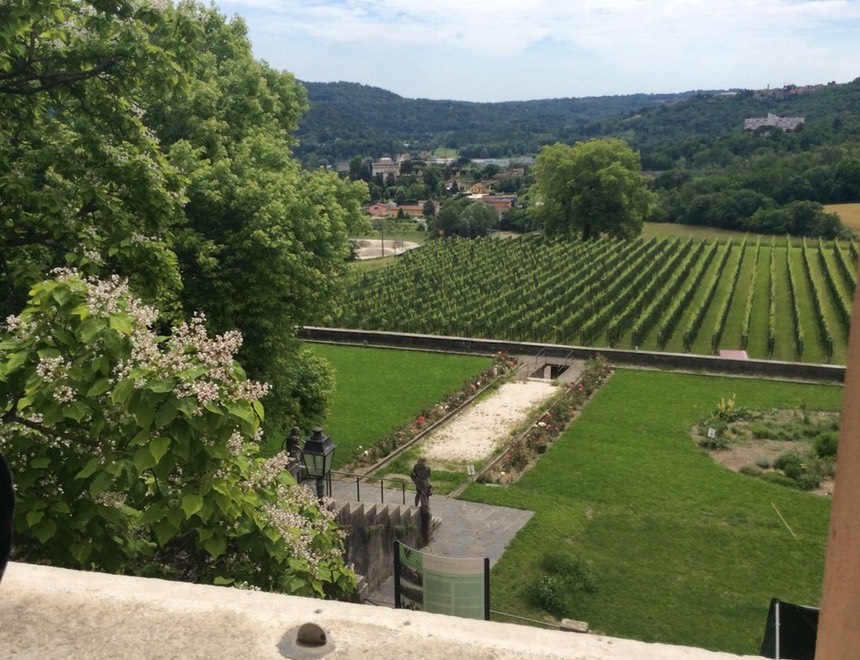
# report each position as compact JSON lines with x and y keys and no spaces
{"x":809,"y":480}
{"x":826,"y":444}
{"x":564,"y":580}
{"x":717,"y":442}
{"x":139,"y":453}
{"x":763,"y":462}
{"x":548,"y":594}
{"x":751,"y":470}
{"x":779,"y":479}
{"x":788,"y":461}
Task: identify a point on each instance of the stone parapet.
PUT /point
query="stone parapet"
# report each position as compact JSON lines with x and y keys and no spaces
{"x":51,"y":613}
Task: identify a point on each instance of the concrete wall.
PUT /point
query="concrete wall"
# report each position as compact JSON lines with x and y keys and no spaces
{"x":55,"y":614}
{"x":680,"y":361}
{"x":371,"y":531}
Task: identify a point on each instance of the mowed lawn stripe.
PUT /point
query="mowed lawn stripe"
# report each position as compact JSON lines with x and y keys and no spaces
{"x":757,"y":344}
{"x":377,"y":390}
{"x":731,"y":338}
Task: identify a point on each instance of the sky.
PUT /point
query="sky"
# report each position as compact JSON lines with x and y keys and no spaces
{"x":516,"y":50}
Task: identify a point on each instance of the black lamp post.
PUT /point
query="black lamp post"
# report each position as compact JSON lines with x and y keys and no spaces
{"x":318,"y":455}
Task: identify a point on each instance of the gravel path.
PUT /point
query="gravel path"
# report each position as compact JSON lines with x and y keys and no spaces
{"x":476,"y":432}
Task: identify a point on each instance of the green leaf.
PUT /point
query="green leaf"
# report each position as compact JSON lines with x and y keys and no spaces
{"x":45,"y":530}
{"x":158,"y":447}
{"x":91,"y":466}
{"x":143,"y":408}
{"x":297,"y":583}
{"x":122,"y":391}
{"x":215,"y":546}
{"x":51,"y":413}
{"x":187,"y":406}
{"x":60,"y":507}
{"x":39,"y":463}
{"x":80,"y":551}
{"x":121,"y":323}
{"x":76,"y":411}
{"x":166,"y":414}
{"x":89,"y":328}
{"x":154,"y":512}
{"x":100,"y":482}
{"x":222,"y":581}
{"x":142,"y":438}
{"x":161,"y":385}
{"x":16,"y":360}
{"x":143,"y":459}
{"x":191,"y":504}
{"x":164,"y":531}
{"x":34,"y":516}
{"x":243,"y":411}
{"x":101,"y":386}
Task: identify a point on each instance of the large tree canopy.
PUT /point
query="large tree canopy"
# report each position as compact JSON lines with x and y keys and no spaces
{"x":143,"y":139}
{"x":83,"y":180}
{"x":264,"y":240}
{"x":589,"y":189}
{"x":462,"y":217}
{"x":145,"y":157}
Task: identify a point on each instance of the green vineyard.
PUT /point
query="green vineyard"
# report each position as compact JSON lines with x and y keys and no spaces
{"x":782,"y":299}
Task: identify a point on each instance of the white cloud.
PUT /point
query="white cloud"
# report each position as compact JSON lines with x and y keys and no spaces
{"x":501,"y":49}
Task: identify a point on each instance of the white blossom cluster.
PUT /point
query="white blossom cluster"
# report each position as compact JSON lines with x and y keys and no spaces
{"x":298,"y":530}
{"x":268,"y":470}
{"x":112,"y":498}
{"x":51,"y":368}
{"x":236,"y":444}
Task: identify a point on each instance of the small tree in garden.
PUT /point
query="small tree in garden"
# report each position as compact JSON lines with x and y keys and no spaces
{"x":137,"y":452}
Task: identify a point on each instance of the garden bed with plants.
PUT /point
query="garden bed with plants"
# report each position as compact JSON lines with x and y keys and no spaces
{"x":546,"y":427}
{"x":540,"y":420}
{"x":793,"y":448}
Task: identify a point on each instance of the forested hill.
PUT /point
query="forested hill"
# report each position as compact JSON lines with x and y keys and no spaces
{"x":349,"y":119}
{"x":709,"y":127}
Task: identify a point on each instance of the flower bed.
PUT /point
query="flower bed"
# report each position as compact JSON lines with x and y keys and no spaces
{"x":427,"y":418}
{"x":522,"y":452}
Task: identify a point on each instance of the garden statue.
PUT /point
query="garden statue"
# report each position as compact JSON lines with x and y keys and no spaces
{"x":421,"y":478}
{"x":293,"y":443}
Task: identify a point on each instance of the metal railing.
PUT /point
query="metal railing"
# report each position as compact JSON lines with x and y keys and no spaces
{"x":382,"y":481}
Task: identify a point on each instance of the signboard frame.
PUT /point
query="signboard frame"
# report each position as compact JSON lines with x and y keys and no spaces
{"x":457,"y":586}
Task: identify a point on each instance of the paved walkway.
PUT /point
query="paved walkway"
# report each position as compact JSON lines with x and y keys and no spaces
{"x":466,"y":529}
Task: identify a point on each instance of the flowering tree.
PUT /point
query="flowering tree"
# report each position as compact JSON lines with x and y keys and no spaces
{"x":135,"y":452}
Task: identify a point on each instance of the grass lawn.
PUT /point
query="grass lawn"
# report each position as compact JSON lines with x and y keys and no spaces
{"x":849,"y":214}
{"x":684,"y":551}
{"x":378,"y":390}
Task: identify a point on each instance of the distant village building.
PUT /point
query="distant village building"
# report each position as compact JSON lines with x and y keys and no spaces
{"x":385,"y":166}
{"x":380,"y":210}
{"x":784,"y":123}
{"x":500,"y":203}
{"x":415,"y":210}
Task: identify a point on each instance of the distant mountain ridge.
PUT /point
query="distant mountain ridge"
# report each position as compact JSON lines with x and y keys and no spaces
{"x":351,"y":119}
{"x":347,"y":119}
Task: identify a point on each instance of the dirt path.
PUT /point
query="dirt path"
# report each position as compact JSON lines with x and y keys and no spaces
{"x":370,"y":248}
{"x":477,"y":432}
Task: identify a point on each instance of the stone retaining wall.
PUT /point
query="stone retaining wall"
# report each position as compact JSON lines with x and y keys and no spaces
{"x":371,"y":532}
{"x":802,"y":371}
